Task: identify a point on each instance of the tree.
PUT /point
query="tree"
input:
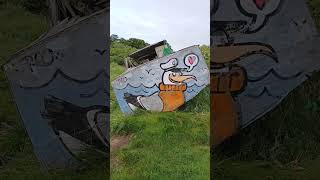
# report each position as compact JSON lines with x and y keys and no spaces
{"x":205,"y":50}
{"x":136,"y":43}
{"x":119,"y":51}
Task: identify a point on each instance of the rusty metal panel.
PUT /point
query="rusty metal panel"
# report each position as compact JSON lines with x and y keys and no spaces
{"x":261,"y":50}
{"x":163,"y":84}
{"x":59,"y":86}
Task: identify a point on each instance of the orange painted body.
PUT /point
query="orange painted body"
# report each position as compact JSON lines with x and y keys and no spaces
{"x":224,"y":116}
{"x":172,"y":96}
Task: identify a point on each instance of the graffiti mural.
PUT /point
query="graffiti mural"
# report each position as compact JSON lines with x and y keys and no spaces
{"x":59,"y":86}
{"x":164,"y":84}
{"x":260,"y":51}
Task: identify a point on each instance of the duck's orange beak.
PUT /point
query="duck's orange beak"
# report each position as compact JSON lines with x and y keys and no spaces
{"x":180,"y":78}
{"x":236,"y":52}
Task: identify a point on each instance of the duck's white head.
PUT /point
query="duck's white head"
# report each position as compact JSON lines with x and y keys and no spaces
{"x":175,"y":77}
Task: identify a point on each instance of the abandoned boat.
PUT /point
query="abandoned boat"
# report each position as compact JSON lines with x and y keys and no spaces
{"x":158,"y":79}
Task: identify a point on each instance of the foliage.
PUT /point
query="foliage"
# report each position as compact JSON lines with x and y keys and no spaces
{"x":119,"y":51}
{"x":133,"y":42}
{"x":34,"y":6}
{"x":121,"y":48}
{"x":205,"y":50}
{"x":315,"y":11}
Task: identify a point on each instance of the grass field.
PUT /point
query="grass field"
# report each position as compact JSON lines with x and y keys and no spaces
{"x":17,"y":161}
{"x":285,"y":144}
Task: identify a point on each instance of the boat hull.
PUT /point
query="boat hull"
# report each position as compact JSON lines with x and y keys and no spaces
{"x":145,"y":86}
{"x":59,"y":86}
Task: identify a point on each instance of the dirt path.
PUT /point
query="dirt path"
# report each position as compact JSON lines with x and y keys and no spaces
{"x":117,"y":143}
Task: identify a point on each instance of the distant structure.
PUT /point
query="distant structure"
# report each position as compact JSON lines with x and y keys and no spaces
{"x":148,"y":53}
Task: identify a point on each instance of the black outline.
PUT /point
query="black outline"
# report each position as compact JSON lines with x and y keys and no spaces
{"x":188,"y":55}
{"x":167,"y":62}
{"x":224,"y":26}
{"x":148,"y":70}
{"x":60,"y":72}
{"x":104,"y":110}
{"x":266,"y":53}
{"x":101,"y":52}
{"x":264,"y":91}
{"x":234,"y":93}
{"x":274,"y":72}
{"x":128,"y":84}
{"x":89,"y":95}
{"x":254,"y":16}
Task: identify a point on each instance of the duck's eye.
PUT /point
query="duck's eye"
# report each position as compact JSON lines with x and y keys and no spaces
{"x":173,"y":74}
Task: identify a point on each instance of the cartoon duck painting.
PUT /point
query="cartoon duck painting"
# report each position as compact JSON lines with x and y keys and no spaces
{"x":228,"y":80}
{"x":231,"y":48}
{"x":171,"y":90}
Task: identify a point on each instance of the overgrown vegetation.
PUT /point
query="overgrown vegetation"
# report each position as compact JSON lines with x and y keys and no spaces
{"x":285,"y":144}
{"x":172,"y":145}
{"x":132,"y":42}
{"x":119,"y":51}
{"x":33,"y":6}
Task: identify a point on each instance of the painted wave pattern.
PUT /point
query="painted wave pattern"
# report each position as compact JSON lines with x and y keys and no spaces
{"x":266,"y":91}
{"x":141,"y":90}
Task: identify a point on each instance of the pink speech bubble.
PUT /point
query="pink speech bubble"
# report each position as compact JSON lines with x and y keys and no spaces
{"x":191,"y":61}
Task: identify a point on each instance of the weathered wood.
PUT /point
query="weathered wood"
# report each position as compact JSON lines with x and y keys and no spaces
{"x":53,"y":12}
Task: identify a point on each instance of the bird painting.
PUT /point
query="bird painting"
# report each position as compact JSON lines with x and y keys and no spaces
{"x":171,"y":90}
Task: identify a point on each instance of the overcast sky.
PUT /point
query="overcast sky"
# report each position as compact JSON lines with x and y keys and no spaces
{"x":181,"y":22}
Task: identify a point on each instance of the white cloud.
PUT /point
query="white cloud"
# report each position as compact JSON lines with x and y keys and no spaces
{"x":181,"y":22}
